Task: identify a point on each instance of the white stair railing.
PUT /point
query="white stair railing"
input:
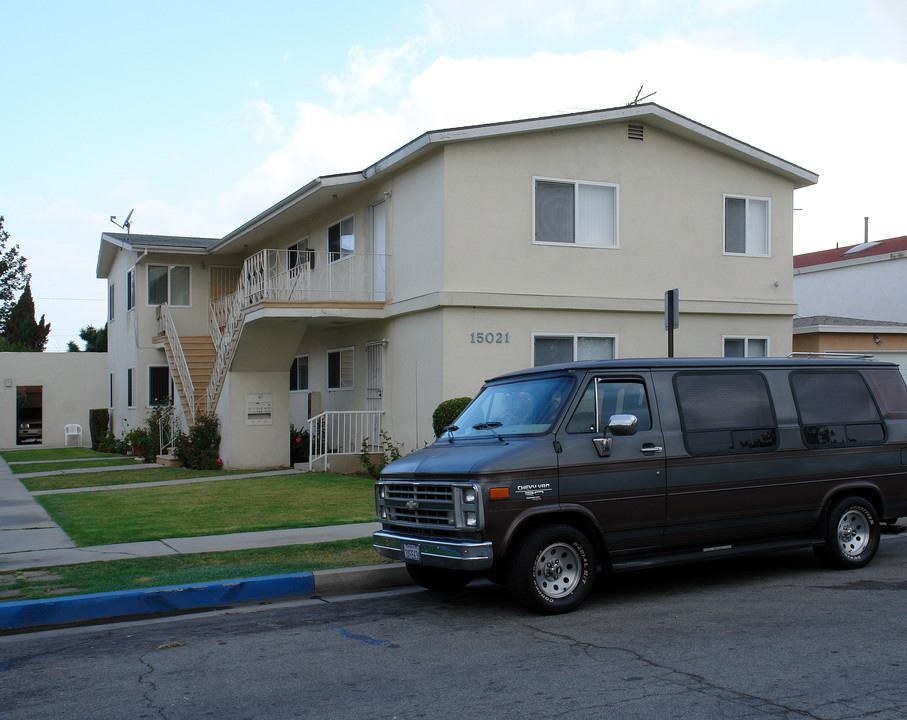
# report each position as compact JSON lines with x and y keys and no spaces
{"x":342,"y":432}
{"x":168,"y":327}
{"x":290,"y":276}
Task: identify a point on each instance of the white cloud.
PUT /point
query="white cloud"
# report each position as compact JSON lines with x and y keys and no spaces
{"x":824,"y":115}
{"x":373,"y":70}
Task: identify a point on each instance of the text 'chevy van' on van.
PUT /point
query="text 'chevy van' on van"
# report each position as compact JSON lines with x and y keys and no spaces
{"x":554,"y":475}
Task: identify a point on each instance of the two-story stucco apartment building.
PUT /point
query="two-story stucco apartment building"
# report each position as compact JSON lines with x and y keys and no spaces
{"x":464,"y":253}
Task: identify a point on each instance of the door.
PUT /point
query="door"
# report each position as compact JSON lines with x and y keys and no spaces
{"x":374,"y":391}
{"x":379,"y":257}
{"x":622,"y":484}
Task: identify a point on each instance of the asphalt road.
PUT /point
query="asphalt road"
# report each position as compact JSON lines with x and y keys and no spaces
{"x":761,"y":638}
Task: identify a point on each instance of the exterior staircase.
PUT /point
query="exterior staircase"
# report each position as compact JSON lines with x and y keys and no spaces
{"x":198,"y":358}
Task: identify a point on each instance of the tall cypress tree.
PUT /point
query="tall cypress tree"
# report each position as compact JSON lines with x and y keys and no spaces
{"x":13,"y":275}
{"x":21,"y":329}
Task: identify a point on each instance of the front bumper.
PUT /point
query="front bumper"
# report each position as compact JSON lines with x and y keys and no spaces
{"x":436,"y":553}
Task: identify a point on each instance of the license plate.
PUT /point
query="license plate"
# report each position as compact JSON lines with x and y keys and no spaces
{"x":412,"y":552}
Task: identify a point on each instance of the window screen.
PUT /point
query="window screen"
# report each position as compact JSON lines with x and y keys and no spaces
{"x":340,"y":369}
{"x":725,"y":413}
{"x":835,"y":409}
{"x":158,"y":385}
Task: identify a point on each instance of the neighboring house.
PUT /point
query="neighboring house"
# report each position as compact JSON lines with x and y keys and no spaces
{"x":43,"y":392}
{"x":464,"y":253}
{"x":853,"y":299}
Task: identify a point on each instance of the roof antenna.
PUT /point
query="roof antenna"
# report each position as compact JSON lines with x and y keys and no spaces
{"x":126,"y":224}
{"x":638,"y":99}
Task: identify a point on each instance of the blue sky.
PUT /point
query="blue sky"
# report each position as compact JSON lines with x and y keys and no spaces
{"x":201,"y":114}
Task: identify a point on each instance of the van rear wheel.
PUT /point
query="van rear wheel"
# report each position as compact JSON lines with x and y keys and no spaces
{"x":852,"y":534}
{"x":433,"y":578}
{"x":552,"y":570}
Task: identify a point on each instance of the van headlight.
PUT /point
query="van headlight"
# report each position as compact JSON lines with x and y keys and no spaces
{"x":468,"y":507}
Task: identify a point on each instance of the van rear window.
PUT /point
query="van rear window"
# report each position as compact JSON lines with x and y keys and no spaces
{"x":836,"y":409}
{"x":725,"y":413}
{"x":890,"y":391}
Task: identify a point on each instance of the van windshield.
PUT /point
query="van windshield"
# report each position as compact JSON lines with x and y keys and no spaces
{"x":514,"y":408}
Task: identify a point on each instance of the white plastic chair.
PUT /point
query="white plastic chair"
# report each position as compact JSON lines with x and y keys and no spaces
{"x":72,"y":430}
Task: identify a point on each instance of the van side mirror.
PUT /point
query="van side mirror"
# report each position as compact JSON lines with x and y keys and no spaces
{"x":622,"y":425}
{"x":618,"y":425}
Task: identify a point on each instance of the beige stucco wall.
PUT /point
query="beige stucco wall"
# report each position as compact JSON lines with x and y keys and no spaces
{"x":72,"y":384}
{"x":671,"y":203}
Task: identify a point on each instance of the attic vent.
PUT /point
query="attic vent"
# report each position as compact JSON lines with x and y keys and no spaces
{"x":635,"y":132}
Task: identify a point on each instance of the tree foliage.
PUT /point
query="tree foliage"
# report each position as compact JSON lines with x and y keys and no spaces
{"x":13,"y":276}
{"x":22,"y":329}
{"x":95,"y":339}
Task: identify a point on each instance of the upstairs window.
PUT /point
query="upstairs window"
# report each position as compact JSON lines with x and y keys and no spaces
{"x":111,"y":305}
{"x":300,"y":255}
{"x":341,"y":239}
{"x":575,"y":213}
{"x":130,"y":289}
{"x":746,"y":226}
{"x":168,"y":284}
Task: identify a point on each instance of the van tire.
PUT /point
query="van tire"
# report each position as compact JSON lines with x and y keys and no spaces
{"x":441,"y":579}
{"x":552,"y":569}
{"x":852,"y":532}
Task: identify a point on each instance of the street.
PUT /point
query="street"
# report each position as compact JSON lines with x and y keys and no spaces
{"x":768,"y":637}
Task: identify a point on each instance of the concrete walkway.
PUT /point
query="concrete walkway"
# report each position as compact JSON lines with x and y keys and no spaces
{"x":29,"y":538}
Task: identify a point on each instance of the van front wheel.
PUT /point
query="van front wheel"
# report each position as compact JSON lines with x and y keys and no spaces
{"x":851,"y":534}
{"x":552,"y":570}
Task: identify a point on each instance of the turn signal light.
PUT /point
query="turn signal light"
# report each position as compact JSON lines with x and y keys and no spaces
{"x":499,"y":493}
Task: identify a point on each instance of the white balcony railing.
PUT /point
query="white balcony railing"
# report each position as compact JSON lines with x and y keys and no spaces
{"x":291,"y":276}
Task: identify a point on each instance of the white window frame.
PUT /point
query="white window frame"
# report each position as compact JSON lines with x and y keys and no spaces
{"x":341,"y":255}
{"x":130,"y":387}
{"x":351,"y":349}
{"x":169,"y":383}
{"x":170,"y":269}
{"x":130,"y":289}
{"x":746,"y":241}
{"x":111,"y":302}
{"x":576,"y":211}
{"x":746,"y":344}
{"x":575,"y":337}
{"x":308,"y":369}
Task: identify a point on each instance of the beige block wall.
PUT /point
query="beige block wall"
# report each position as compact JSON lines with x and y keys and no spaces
{"x":72,"y":384}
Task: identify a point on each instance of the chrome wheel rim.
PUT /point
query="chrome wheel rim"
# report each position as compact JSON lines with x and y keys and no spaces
{"x":557,"y":570}
{"x":853,"y":532}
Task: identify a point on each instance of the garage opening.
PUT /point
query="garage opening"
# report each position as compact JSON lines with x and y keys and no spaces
{"x":29,"y":420}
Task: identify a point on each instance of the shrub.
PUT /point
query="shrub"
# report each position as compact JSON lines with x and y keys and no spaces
{"x":110,"y":444}
{"x":447,"y":412}
{"x":387,"y":454}
{"x":299,"y":445}
{"x":142,"y":443}
{"x":199,"y":449}
{"x":98,"y":426}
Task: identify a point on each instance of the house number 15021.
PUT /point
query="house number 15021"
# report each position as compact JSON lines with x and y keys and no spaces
{"x":489,"y":337}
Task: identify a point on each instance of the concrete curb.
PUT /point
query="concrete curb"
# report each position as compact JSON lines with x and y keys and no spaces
{"x":35,"y":614}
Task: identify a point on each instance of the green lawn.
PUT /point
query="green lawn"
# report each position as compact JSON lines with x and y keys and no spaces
{"x":153,"y":473}
{"x":181,"y":569}
{"x":227,"y":506}
{"x":63,"y":465}
{"x":39,"y":454}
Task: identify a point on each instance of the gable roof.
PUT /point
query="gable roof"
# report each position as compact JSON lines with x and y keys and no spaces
{"x":853,"y":254}
{"x":111,"y":243}
{"x":323,"y":190}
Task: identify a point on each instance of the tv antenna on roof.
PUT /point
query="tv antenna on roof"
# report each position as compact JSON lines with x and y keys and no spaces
{"x":126,"y":224}
{"x":638,"y":99}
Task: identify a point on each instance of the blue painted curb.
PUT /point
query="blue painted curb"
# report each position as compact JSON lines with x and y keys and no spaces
{"x":22,"y":614}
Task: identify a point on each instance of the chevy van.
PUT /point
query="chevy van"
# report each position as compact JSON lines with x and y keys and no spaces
{"x":555,"y":475}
